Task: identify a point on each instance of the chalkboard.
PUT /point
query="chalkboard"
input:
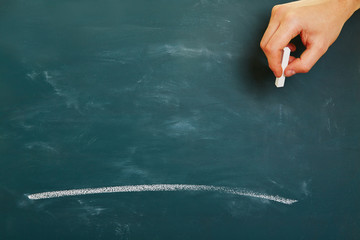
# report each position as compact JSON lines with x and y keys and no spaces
{"x":138,"y":119}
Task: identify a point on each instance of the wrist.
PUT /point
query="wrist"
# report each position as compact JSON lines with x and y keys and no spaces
{"x":353,"y":5}
{"x":346,"y":8}
{"x":357,"y":5}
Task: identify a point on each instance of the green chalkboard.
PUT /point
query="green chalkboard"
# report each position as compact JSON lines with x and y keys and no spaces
{"x":159,"y":119}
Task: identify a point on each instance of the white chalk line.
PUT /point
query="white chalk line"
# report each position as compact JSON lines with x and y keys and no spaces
{"x":160,"y":188}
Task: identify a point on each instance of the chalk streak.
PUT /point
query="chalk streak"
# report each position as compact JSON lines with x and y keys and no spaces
{"x":160,"y":188}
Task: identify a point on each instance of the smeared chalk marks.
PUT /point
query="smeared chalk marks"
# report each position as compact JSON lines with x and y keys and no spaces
{"x":181,"y":50}
{"x":69,"y":95}
{"x":304,"y":186}
{"x":182,"y":127}
{"x":33,"y":75}
{"x":161,"y":188}
{"x":43,"y":146}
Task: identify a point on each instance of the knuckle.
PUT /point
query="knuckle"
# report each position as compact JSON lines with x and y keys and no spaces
{"x":278,"y":10}
{"x":275,"y":9}
{"x":269,"y":48}
{"x":291,"y":18}
{"x":262,"y":45}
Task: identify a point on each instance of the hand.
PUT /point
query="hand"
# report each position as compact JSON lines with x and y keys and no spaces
{"x":318,"y":22}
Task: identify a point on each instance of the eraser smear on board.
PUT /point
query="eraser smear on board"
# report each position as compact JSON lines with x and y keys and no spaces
{"x":280,"y":82}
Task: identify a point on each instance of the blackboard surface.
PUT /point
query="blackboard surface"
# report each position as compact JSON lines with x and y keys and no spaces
{"x":135,"y":92}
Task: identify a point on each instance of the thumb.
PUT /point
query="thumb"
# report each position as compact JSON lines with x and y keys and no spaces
{"x":306,"y":61}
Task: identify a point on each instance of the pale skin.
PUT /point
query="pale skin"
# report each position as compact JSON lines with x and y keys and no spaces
{"x":318,"y":22}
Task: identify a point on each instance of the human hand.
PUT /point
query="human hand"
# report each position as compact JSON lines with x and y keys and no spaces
{"x":318,"y":22}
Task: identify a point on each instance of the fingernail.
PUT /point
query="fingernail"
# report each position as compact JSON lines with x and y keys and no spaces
{"x":289,"y":73}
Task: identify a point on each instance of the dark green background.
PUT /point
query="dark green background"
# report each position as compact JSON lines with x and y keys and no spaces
{"x":124,"y":92}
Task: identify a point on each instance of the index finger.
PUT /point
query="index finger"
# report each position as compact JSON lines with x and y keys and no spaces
{"x":279,"y":40}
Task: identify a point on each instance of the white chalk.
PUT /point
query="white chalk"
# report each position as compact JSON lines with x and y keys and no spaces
{"x":280,"y":82}
{"x":160,"y":188}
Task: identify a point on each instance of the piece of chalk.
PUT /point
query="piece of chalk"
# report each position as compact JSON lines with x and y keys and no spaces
{"x":280,"y":82}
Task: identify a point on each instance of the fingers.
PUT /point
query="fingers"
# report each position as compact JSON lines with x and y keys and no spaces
{"x":291,"y":59}
{"x":292,"y":47}
{"x":274,"y":47}
{"x":272,"y":27}
{"x":306,"y":61}
{"x":290,"y":72}
{"x":307,"y":19}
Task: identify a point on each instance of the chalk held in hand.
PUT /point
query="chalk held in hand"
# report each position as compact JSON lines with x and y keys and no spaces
{"x":280,"y":82}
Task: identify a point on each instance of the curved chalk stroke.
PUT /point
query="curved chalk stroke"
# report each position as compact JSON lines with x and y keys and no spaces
{"x":159,"y":188}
